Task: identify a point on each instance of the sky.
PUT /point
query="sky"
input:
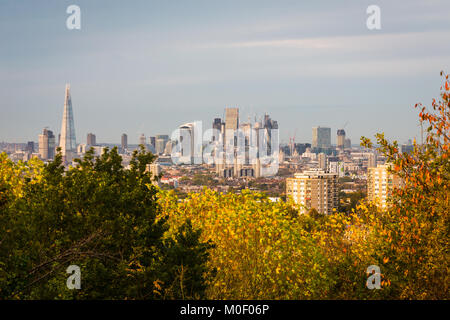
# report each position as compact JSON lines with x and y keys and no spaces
{"x":149,"y":66}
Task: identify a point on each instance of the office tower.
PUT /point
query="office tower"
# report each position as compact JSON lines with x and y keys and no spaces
{"x":380,"y":184}
{"x":217,"y":127}
{"x":47,"y":145}
{"x":30,"y":147}
{"x":231,"y":118}
{"x":161,"y":142}
{"x":372,"y":160}
{"x":67,"y":140}
{"x":340,"y":139}
{"x":91,"y":140}
{"x":314,"y":189}
{"x":246,"y":131}
{"x":231,"y":125}
{"x":322,"y":161}
{"x":168,"y":148}
{"x":269,"y":125}
{"x":143,"y":140}
{"x":321,"y":137}
{"x":153,"y":142}
{"x":186,"y":152}
{"x":124,"y":142}
{"x":348,"y":144}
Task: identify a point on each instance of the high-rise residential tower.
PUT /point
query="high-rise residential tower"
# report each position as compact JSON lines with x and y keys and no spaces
{"x":314,"y":189}
{"x":68,"y":140}
{"x":380,"y":184}
{"x":372,"y":160}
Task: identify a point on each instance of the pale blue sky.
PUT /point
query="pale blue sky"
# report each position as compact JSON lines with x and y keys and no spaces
{"x":148,"y":66}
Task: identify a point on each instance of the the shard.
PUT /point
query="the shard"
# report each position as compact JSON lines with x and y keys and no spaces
{"x":67,"y":140}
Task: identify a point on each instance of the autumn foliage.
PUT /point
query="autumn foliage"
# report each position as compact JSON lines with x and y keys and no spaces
{"x":137,"y":242}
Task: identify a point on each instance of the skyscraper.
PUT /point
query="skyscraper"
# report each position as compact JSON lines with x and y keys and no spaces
{"x":30,"y":146}
{"x":321,"y":137}
{"x":217,"y":127}
{"x":340,"y":139}
{"x":153,"y":141}
{"x":348,"y":144}
{"x":231,"y":125}
{"x":47,"y":145}
{"x":91,"y":139}
{"x":124,"y":142}
{"x":231,"y":118}
{"x":67,"y":140}
{"x":161,"y":142}
{"x":143,"y":140}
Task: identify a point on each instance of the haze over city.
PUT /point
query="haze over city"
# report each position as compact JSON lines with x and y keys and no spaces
{"x":150,"y":67}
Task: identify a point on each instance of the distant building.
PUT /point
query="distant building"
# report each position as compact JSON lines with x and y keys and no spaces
{"x":321,"y":137}
{"x":372,"y":160}
{"x":348,"y":144}
{"x":231,"y":125}
{"x":314,"y":189}
{"x":301,"y":147}
{"x":337,"y":167}
{"x":407,"y":148}
{"x":143,"y":140}
{"x":124,"y":142}
{"x":161,"y":142}
{"x":155,"y":170}
{"x":153,"y":142}
{"x":47,"y":145}
{"x":340,"y":139}
{"x":380,"y":184}
{"x":231,"y":118}
{"x":68,"y":140}
{"x":91,"y":139}
{"x":217,"y":127}
{"x":322,"y":159}
{"x":30,"y":147}
{"x":269,"y":124}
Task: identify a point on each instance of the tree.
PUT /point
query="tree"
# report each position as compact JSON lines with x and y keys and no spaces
{"x":414,"y":231}
{"x":96,"y":215}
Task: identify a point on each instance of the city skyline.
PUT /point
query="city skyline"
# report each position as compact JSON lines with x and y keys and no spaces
{"x":150,"y":67}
